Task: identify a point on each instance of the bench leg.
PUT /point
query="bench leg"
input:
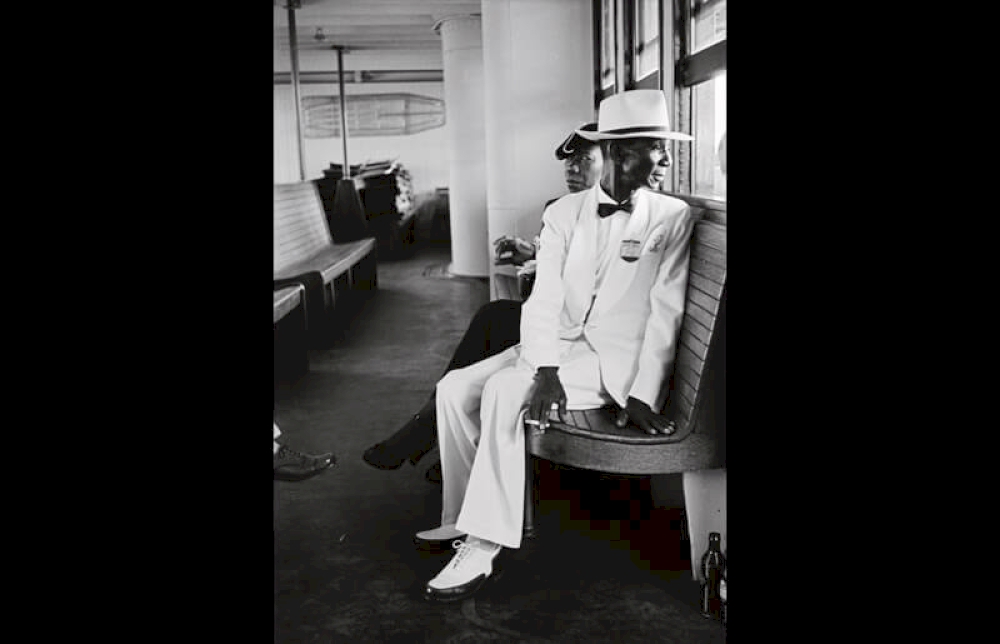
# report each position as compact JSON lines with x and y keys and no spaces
{"x":291,"y":357}
{"x":365,"y":273}
{"x":529,"y":497}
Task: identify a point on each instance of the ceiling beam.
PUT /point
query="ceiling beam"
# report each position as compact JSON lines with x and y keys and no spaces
{"x":366,"y":76}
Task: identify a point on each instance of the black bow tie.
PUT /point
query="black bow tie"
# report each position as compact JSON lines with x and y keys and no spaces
{"x":605,"y":209}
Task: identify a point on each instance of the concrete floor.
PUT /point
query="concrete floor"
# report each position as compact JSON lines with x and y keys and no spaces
{"x":609,"y":564}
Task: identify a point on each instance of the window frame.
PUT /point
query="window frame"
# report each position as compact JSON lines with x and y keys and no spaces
{"x":600,"y":93}
{"x":653,"y":79}
{"x":691,"y":70}
{"x":625,"y":63}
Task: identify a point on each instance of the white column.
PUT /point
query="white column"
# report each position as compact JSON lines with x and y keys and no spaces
{"x":538,"y":63}
{"x":462,"y":57}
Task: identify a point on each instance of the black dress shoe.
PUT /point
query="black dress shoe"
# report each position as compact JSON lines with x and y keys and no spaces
{"x":382,"y":457}
{"x":412,"y":441}
{"x":290,"y":465}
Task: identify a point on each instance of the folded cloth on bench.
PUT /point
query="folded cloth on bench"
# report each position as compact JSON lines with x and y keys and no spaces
{"x":312,"y":282}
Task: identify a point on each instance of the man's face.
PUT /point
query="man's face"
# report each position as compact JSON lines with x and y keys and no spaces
{"x":643,"y":162}
{"x":583,"y":168}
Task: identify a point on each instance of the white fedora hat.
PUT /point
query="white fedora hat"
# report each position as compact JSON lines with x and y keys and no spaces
{"x":634,"y":113}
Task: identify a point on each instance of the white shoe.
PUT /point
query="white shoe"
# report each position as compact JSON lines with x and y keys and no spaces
{"x":465,"y":573}
{"x":447,"y":532}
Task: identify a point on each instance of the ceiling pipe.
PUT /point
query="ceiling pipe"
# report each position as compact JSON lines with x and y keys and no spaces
{"x":348,"y":220}
{"x":292,"y":5}
{"x":365,"y":76}
{"x":343,"y":108}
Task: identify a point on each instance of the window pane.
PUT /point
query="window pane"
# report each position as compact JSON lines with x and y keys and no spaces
{"x":709,"y":120}
{"x":647,"y":38}
{"x":708,"y":23}
{"x":608,"y":45}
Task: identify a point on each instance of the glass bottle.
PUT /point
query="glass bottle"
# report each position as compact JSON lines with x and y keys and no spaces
{"x":713,"y":565}
{"x":722,"y":589}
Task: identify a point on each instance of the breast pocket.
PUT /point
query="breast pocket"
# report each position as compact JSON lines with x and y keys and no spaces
{"x":655,"y":241}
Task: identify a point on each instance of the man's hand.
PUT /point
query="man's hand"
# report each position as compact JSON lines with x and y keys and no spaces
{"x":644,"y":418}
{"x":512,"y":250}
{"x":546,"y":391}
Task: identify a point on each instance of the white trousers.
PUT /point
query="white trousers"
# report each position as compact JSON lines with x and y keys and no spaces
{"x":481,"y":436}
{"x":277,"y":433}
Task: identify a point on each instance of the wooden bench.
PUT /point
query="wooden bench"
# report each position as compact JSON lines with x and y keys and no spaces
{"x":286,"y":299}
{"x":305,"y":252}
{"x":591,"y":440}
{"x":291,"y":358}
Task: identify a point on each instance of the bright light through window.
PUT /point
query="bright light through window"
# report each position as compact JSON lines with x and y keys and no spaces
{"x":709,"y":132}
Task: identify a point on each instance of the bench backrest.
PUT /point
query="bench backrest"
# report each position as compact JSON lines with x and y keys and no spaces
{"x":300,"y":226}
{"x":704,"y":301}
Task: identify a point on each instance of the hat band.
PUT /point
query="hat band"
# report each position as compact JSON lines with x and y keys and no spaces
{"x":630,"y":130}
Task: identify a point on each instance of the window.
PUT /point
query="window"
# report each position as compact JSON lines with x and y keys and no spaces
{"x":708,"y":23}
{"x":606,"y":41}
{"x":646,"y":44}
{"x":628,"y":45}
{"x":702,"y":93}
{"x":709,"y":120}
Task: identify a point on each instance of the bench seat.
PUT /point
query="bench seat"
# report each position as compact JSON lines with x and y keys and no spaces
{"x":591,"y":440}
{"x":331,"y":262}
{"x":285,"y":300}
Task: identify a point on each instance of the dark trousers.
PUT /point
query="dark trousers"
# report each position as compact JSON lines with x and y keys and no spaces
{"x":494,"y":328}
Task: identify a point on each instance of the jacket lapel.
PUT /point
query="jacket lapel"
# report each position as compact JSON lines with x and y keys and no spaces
{"x":620,"y":272}
{"x":578,"y":272}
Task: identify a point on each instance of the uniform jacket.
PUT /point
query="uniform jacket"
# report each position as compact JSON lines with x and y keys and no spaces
{"x":637,"y":313}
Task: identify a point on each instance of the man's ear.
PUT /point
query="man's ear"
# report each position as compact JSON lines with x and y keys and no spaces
{"x":613,"y":151}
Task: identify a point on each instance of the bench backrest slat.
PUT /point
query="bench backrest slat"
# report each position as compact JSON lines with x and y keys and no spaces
{"x":300,"y":226}
{"x":705,"y":294}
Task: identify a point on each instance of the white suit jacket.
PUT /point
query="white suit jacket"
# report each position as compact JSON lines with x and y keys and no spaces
{"x":637,"y":313}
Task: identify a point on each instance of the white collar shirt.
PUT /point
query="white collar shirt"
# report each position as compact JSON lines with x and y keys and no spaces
{"x":609,"y":229}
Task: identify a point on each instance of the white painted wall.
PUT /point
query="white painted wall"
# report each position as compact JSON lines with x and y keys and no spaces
{"x":538,"y":59}
{"x":425,"y":155}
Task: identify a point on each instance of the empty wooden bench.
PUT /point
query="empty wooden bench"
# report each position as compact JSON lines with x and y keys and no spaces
{"x":290,"y":355}
{"x":286,"y":299}
{"x":305,"y":252}
{"x":591,"y":440}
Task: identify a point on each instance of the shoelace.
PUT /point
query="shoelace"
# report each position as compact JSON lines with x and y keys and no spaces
{"x":284,"y":451}
{"x":462,"y":552}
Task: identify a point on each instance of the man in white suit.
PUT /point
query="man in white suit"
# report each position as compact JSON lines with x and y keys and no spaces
{"x":600,"y":326}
